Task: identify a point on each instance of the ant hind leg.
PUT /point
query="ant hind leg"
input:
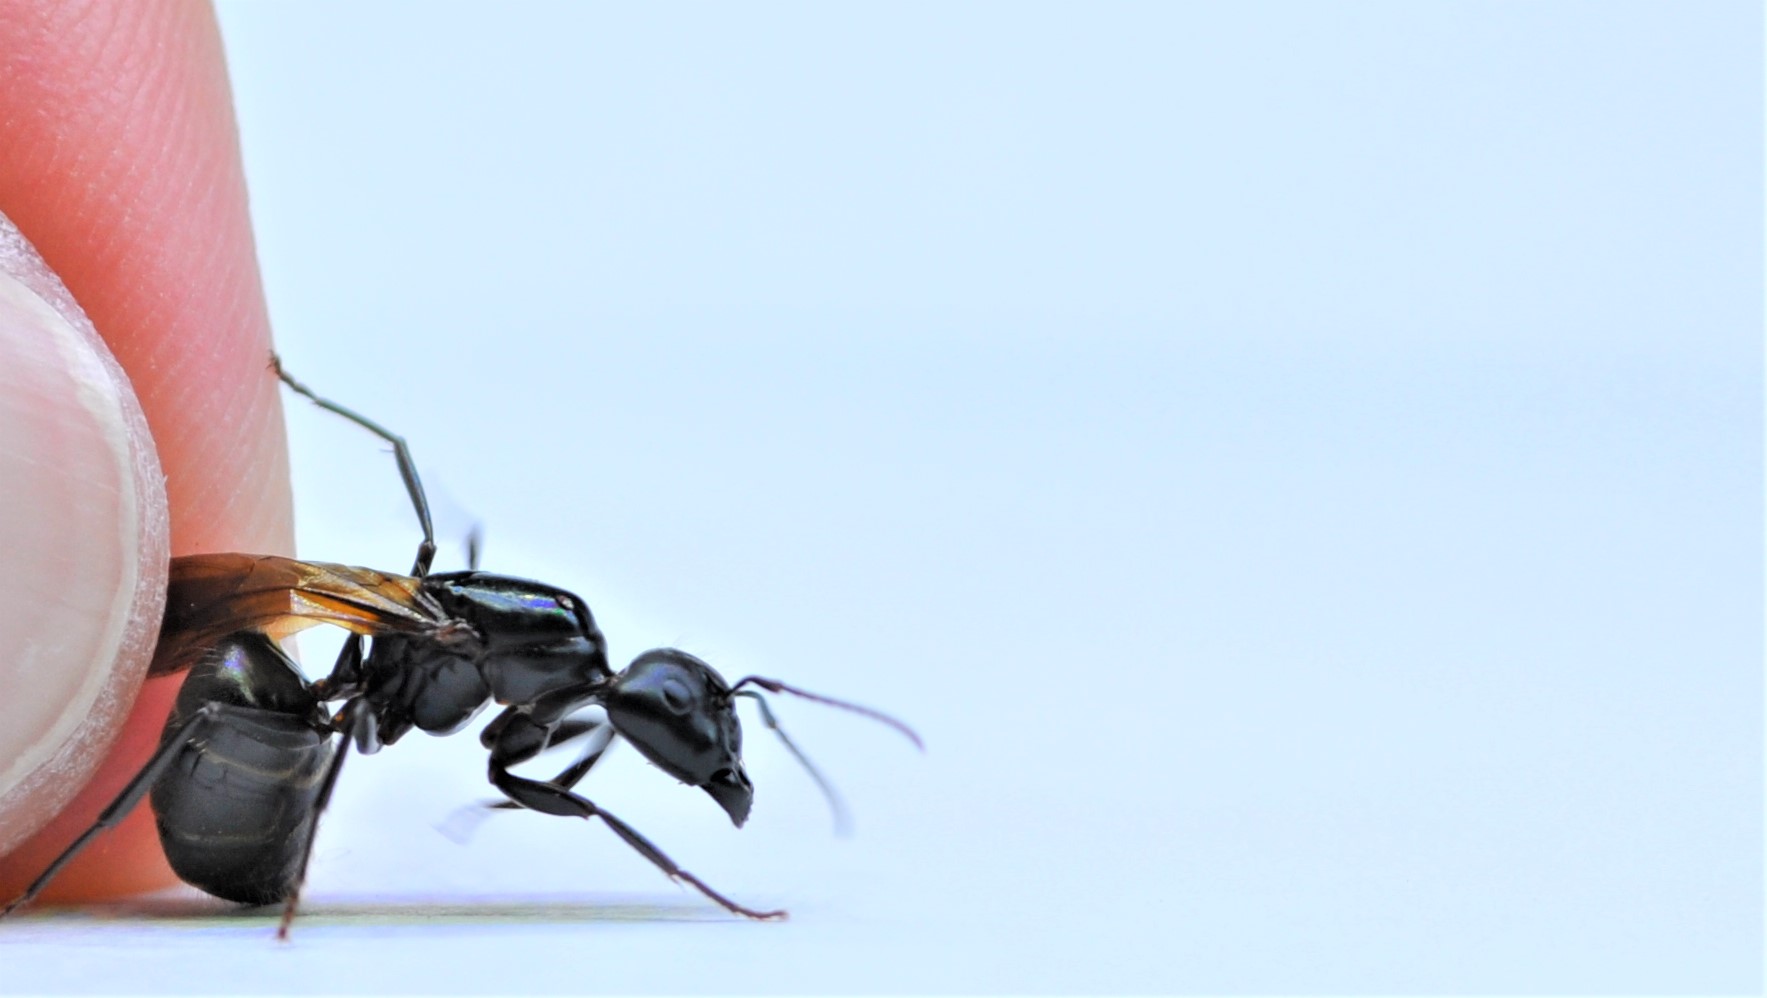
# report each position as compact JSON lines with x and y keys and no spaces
{"x":119,"y":808}
{"x":426,"y":551}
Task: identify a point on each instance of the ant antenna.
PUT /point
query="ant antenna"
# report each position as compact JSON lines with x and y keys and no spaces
{"x":843,"y":819}
{"x":426,"y":551}
{"x":775,"y":686}
{"x":474,"y":542}
{"x":843,"y":824}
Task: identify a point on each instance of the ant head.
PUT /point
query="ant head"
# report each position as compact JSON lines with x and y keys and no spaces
{"x":677,"y":710}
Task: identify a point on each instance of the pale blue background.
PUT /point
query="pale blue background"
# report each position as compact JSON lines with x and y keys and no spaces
{"x":1300,"y":466}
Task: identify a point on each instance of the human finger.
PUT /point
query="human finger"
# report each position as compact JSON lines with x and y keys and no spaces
{"x":119,"y":161}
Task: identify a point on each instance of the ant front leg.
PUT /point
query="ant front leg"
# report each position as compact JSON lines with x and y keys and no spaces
{"x":515,"y":738}
{"x":602,"y":734}
{"x":549,"y":799}
{"x":603,"y":739}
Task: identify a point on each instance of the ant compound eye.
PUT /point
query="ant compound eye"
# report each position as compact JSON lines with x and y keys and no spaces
{"x":676,"y":696}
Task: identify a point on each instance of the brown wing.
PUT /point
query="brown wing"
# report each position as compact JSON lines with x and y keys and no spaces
{"x":210,"y":596}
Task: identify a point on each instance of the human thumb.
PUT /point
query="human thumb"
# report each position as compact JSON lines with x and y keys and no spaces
{"x":83,"y":544}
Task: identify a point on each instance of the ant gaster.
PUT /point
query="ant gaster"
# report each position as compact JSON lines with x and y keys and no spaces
{"x":252,"y":749}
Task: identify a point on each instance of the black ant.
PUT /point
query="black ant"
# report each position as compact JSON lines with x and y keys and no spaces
{"x":250,"y":753}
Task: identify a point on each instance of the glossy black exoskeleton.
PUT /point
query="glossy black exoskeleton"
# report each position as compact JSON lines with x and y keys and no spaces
{"x":252,"y":749}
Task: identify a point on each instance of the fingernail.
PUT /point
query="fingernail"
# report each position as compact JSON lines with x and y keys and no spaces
{"x":83,"y":536}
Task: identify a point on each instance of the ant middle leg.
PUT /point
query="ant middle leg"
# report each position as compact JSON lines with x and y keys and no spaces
{"x":345,"y":679}
{"x":356,"y":722}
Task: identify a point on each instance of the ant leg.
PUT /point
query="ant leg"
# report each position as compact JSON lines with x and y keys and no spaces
{"x":345,"y":679}
{"x":573,"y":774}
{"x":548,"y":799}
{"x":357,"y":724}
{"x":426,"y":551}
{"x":461,"y":824}
{"x":137,"y":788}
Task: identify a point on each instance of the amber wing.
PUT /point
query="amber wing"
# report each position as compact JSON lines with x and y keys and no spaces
{"x":210,"y":596}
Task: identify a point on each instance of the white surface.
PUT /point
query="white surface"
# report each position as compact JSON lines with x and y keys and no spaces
{"x":1299,"y":467}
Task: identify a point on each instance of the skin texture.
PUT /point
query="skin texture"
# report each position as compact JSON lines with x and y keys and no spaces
{"x":119,"y":161}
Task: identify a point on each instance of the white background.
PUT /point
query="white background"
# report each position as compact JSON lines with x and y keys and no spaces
{"x":1298,"y":465}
